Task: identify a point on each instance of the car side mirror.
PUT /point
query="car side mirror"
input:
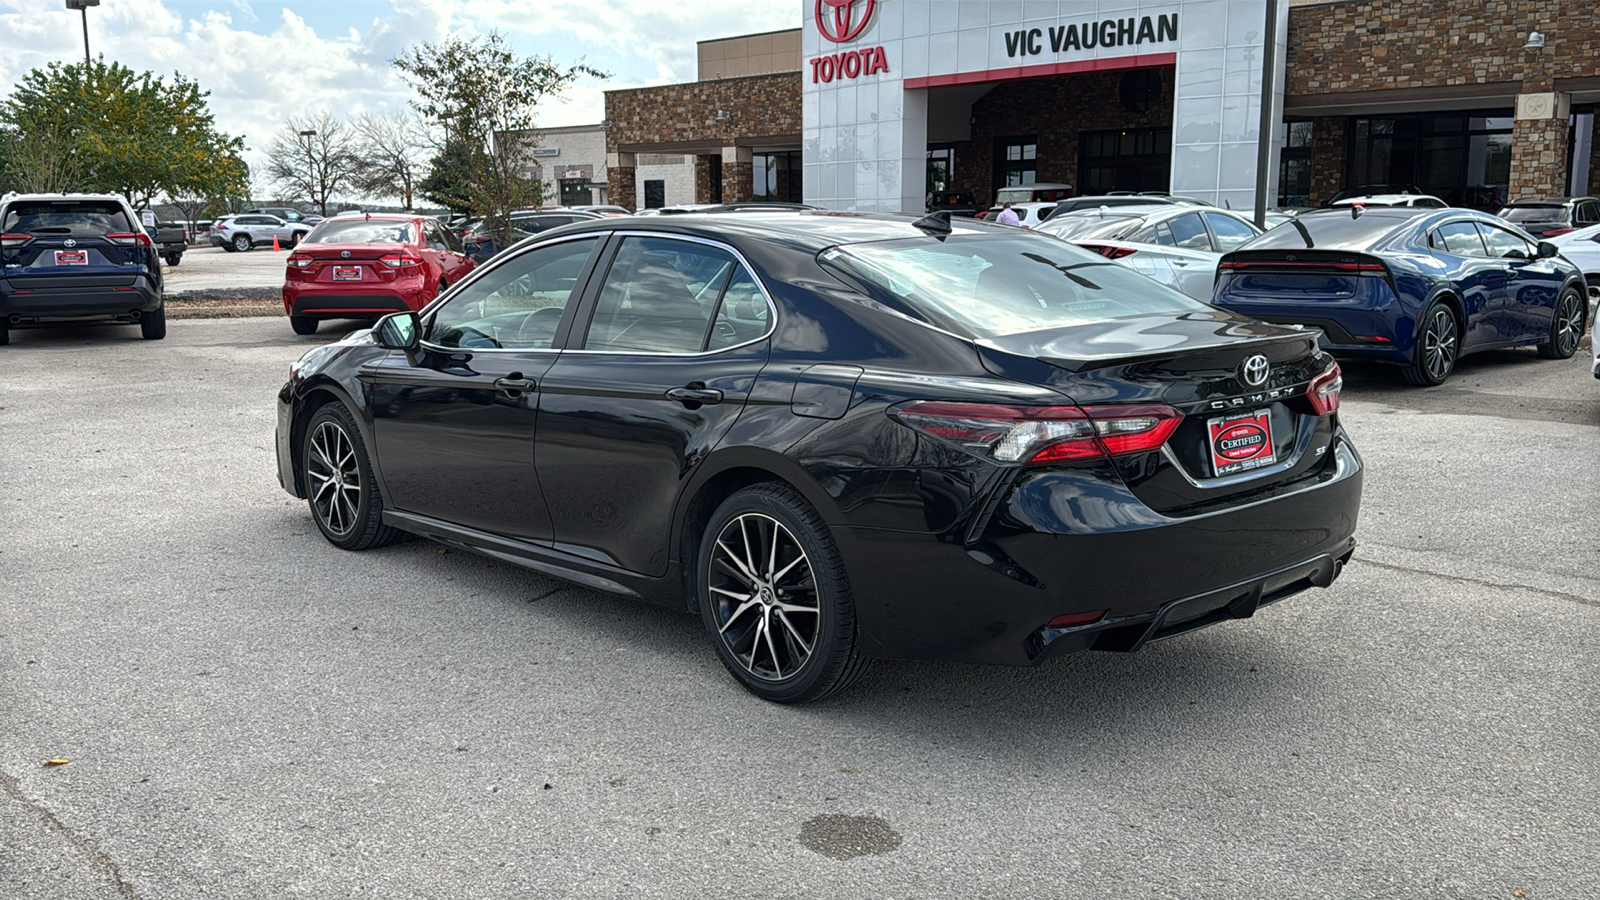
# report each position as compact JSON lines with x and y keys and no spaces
{"x":470,"y":247}
{"x":399,"y":331}
{"x":1547,"y":250}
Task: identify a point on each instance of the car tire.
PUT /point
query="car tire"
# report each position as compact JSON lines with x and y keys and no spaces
{"x":1566,"y":325}
{"x":775,"y":598}
{"x":174,"y":258}
{"x":242,"y":242}
{"x":303,"y":324}
{"x":153,"y":325}
{"x":1438,"y":346}
{"x":228,"y":247}
{"x":339,"y":484}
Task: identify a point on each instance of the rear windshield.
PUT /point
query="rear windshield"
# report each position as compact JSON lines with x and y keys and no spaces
{"x":66,"y":217}
{"x":362,"y":231}
{"x":989,"y":285}
{"x":1534,"y":214}
{"x":1090,"y":225}
{"x":1337,"y":230}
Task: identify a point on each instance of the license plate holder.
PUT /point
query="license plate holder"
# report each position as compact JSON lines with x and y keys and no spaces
{"x":1241,"y":442}
{"x":72,"y":257}
{"x":346,"y":273}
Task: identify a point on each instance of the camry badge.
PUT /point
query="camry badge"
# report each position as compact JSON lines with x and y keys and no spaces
{"x":1254,"y":371}
{"x":344,"y":254}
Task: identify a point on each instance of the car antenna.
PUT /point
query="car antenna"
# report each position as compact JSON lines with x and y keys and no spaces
{"x":934,"y":223}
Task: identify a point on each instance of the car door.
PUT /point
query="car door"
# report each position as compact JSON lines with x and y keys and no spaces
{"x":453,"y":433}
{"x":456,"y":262}
{"x":1476,"y":278}
{"x":434,"y":251}
{"x":670,"y":348}
{"x":1532,"y":284}
{"x":1193,"y":272}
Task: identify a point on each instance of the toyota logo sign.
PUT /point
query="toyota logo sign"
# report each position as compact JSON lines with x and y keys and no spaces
{"x":841,"y":24}
{"x":1254,"y":371}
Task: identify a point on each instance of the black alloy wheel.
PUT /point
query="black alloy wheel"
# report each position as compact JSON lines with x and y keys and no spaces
{"x":1438,"y":345}
{"x":339,"y":485}
{"x":1566,"y":326}
{"x":303,"y":324}
{"x":775,"y":598}
{"x":241,"y":242}
{"x":153,"y":325}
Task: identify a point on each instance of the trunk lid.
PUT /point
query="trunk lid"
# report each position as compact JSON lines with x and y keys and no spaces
{"x":350,"y":264}
{"x":1197,"y":363}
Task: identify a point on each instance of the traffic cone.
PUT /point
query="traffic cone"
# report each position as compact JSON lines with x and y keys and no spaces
{"x":275,"y":247}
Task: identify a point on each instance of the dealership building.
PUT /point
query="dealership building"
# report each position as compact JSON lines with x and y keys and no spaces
{"x":872,"y":104}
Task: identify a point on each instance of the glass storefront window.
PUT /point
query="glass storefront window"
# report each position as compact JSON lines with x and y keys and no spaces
{"x":1462,"y":157}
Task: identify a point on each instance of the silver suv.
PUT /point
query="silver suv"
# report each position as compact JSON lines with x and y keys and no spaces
{"x":244,"y":231}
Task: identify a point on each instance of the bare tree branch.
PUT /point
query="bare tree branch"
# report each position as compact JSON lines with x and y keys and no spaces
{"x":316,"y":165}
{"x":394,"y":156}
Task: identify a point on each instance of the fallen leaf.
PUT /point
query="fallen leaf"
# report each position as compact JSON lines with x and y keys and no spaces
{"x":56,"y":762}
{"x":1517,"y":892}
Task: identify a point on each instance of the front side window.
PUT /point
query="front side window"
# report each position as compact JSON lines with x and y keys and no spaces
{"x":515,"y":305}
{"x":661,"y":296}
{"x":1505,"y":245}
{"x":1459,"y":239}
{"x":985,"y":286}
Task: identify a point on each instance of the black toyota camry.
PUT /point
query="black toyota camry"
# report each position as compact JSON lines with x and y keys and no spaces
{"x":837,"y":437}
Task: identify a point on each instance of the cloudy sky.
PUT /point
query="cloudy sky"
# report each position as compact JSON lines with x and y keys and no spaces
{"x":263,"y":60}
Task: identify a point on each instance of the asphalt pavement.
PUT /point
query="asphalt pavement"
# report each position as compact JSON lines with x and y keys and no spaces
{"x":207,"y":269}
{"x":248,"y":712}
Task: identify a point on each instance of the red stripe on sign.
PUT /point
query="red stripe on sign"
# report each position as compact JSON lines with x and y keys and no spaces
{"x":1062,"y":68}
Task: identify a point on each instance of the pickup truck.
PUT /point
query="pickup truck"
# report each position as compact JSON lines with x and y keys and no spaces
{"x":170,"y":240}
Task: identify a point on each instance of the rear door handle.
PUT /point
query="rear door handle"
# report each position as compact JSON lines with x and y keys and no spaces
{"x":697,"y":395}
{"x":516,"y":384}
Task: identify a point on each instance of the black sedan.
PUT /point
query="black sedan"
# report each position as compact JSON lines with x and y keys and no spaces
{"x":838,"y":437}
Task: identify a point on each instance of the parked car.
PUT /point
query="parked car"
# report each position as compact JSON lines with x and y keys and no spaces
{"x":67,"y":259}
{"x":245,"y":231}
{"x":1421,"y":201}
{"x":1411,"y":286}
{"x":1178,"y":246}
{"x":1553,"y":216}
{"x":1108,"y":201}
{"x":522,"y":225}
{"x":170,"y":240}
{"x":1029,"y":215}
{"x":1033,"y":193}
{"x":1582,"y":249}
{"x":743,"y":206}
{"x":603,"y":209}
{"x":1372,"y":190}
{"x":288,"y":214}
{"x":355,"y":267}
{"x":956,"y":203}
{"x":841,"y":438}
{"x":1167,"y":195}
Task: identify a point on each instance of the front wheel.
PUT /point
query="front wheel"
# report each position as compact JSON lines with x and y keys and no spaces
{"x":775,"y":597}
{"x":241,"y":242}
{"x":294,"y":240}
{"x":1438,"y":346}
{"x":1566,"y":326}
{"x":153,"y":325}
{"x":339,"y":484}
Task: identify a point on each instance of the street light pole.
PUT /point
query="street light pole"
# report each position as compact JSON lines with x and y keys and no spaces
{"x":82,"y":6}
{"x":311,"y":170}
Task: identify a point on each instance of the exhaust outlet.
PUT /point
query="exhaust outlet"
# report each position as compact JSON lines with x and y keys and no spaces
{"x":134,"y":314}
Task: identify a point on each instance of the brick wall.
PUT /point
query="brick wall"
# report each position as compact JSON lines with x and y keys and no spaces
{"x":1539,"y":158}
{"x":1055,"y":109}
{"x":1329,"y":147}
{"x":757,"y":106}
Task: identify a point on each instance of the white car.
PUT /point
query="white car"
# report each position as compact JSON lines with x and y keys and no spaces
{"x":1582,"y":248}
{"x":1029,"y":215}
{"x":1178,"y":246}
{"x":1424,"y":201}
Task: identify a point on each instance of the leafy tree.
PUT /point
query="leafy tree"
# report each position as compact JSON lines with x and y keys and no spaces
{"x":487,"y":98}
{"x":314,"y":166}
{"x":99,"y":126}
{"x":449,"y":178}
{"x":392,"y":156}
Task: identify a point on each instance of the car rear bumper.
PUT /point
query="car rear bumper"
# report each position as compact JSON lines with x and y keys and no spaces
{"x":988,"y":600}
{"x":1337,"y":336}
{"x":331,"y":305}
{"x":51,"y":306}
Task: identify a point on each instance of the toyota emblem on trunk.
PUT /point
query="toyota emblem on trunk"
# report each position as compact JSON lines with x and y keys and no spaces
{"x":1254,"y":371}
{"x":69,"y":242}
{"x":344,"y":254}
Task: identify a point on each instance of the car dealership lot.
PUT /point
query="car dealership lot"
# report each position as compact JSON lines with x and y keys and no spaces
{"x":208,"y":268}
{"x":248,"y":711}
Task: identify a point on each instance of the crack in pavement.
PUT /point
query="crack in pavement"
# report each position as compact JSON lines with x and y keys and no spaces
{"x":98,"y":859}
{"x":1559,"y":595}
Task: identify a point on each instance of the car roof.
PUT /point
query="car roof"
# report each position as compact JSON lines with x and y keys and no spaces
{"x":808,"y":230}
{"x":1340,"y":229}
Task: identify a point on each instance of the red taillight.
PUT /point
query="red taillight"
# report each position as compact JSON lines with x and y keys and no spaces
{"x":1555,"y":231}
{"x":1323,"y":392}
{"x":1043,"y":434}
{"x":131,"y":239}
{"x":1108,"y":251}
{"x":400,"y":260}
{"x":1270,"y":264}
{"x":299,"y":262}
{"x":12,"y":241}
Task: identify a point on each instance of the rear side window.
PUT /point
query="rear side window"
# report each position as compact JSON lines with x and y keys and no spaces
{"x":1189,"y":232}
{"x":362,"y":231}
{"x":67,"y":217}
{"x":984,"y":286}
{"x":1231,"y":233}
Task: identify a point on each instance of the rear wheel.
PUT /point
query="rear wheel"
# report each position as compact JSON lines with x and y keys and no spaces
{"x":339,"y":484}
{"x":303,"y":324}
{"x":1566,"y":326}
{"x":1438,"y":346}
{"x":241,"y":242}
{"x":775,"y":597}
{"x":174,"y":258}
{"x":294,"y":240}
{"x":153,"y":325}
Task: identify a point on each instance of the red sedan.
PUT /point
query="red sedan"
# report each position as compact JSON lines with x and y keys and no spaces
{"x":367,"y":265}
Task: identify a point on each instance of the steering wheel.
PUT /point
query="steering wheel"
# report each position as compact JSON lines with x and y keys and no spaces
{"x":550,"y":315}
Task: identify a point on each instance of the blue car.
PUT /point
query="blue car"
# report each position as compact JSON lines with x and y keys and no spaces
{"x":1415,"y":287}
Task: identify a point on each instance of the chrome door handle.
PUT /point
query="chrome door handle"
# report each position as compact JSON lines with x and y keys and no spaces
{"x":696,"y":395}
{"x":516,"y":384}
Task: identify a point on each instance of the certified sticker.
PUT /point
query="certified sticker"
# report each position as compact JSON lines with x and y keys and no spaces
{"x":1242,"y":442}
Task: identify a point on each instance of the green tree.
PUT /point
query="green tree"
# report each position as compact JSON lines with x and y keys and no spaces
{"x":99,"y":126}
{"x":449,"y":179}
{"x":487,"y":97}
